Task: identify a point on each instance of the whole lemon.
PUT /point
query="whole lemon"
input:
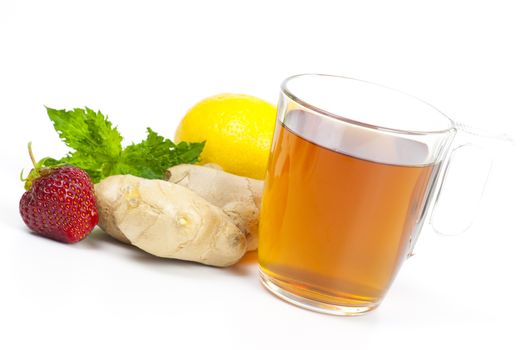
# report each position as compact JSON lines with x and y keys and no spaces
{"x":238,"y":131}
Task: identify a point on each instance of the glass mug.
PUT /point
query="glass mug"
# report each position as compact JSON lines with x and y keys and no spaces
{"x":353,"y":171}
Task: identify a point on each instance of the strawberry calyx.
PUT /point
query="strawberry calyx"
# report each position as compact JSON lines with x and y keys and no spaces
{"x":38,"y":170}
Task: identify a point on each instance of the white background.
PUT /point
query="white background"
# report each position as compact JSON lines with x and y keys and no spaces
{"x":146,"y":63}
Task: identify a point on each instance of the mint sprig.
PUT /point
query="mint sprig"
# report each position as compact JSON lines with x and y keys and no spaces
{"x":96,"y":147}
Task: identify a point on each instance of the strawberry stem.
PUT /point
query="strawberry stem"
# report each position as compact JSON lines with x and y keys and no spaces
{"x":39,"y":168}
{"x":32,"y":156}
{"x":36,"y":172}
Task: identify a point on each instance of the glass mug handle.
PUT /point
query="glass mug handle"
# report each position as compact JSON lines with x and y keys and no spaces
{"x":463,"y":179}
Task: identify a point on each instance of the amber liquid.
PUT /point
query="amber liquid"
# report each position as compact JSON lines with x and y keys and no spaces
{"x":335,"y":228}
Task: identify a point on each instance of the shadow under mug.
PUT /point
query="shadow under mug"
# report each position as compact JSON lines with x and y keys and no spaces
{"x":354,"y":171}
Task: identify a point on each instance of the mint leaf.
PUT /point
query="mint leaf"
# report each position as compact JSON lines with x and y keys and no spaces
{"x":152,"y":157}
{"x":88,"y":132}
{"x":189,"y":152}
{"x":96,"y":144}
{"x":96,"y":147}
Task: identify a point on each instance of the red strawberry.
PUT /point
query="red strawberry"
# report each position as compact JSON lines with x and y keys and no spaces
{"x":60,"y":204}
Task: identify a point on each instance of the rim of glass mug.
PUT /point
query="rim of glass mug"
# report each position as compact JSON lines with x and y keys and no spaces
{"x":399,"y":104}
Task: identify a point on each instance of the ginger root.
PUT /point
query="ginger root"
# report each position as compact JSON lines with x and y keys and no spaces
{"x":167,"y":220}
{"x":239,"y":197}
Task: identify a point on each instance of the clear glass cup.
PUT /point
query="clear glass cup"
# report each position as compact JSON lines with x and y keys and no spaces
{"x":354,"y":171}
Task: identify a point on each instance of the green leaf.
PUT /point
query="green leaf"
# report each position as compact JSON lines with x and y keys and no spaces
{"x":95,"y":142}
{"x":152,"y":157}
{"x":96,"y":147}
{"x":88,"y":132}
